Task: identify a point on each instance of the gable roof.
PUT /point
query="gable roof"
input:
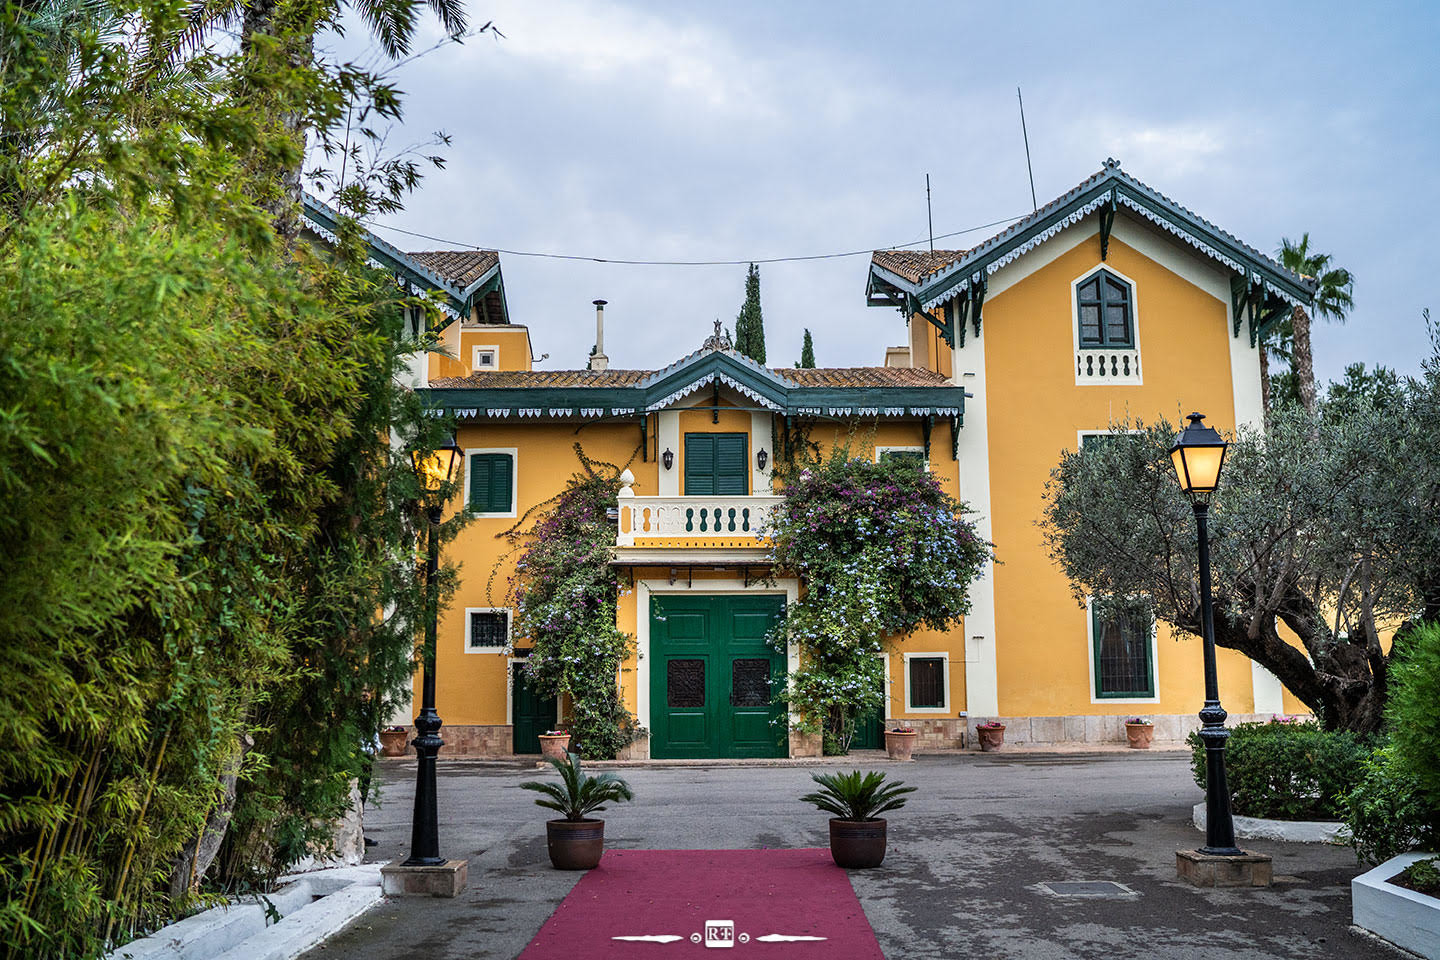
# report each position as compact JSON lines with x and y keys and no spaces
{"x":917,"y":281}
{"x":457,"y":279}
{"x":836,"y":392}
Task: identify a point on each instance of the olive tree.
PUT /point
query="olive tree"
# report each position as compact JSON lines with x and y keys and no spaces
{"x":1324,"y":524}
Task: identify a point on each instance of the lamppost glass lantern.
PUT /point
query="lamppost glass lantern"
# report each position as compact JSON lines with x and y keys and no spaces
{"x":668,"y":458}
{"x":1198,"y":456}
{"x":437,"y":467}
{"x":762,"y":458}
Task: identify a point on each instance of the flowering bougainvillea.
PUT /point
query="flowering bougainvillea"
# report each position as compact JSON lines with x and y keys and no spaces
{"x":564,"y":593}
{"x":881,"y":549}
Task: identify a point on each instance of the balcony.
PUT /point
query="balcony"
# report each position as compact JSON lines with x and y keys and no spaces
{"x":1107,"y":366}
{"x":691,"y":521}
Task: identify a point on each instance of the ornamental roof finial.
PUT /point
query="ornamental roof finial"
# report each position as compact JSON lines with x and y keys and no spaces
{"x":1112,"y":164}
{"x":719,"y":340}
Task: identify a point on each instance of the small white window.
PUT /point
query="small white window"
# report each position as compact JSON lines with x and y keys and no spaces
{"x":485,"y":358}
{"x":487,"y":629}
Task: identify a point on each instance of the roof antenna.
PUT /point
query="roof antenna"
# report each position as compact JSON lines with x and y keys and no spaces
{"x":1033,"y":203}
{"x":930,"y":220}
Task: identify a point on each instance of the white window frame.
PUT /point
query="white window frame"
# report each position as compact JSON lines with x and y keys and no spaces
{"x":475,"y":352}
{"x":514,"y":453}
{"x":1135,"y":379}
{"x":1091,"y":681}
{"x":1080,"y":435}
{"x":945,"y":669}
{"x":509,"y":626}
{"x":881,"y":451}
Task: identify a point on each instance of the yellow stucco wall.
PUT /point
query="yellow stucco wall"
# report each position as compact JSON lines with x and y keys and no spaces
{"x":1035,"y":411}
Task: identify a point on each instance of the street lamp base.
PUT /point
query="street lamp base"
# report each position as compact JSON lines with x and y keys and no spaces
{"x":1239,"y":869}
{"x":445,"y":879}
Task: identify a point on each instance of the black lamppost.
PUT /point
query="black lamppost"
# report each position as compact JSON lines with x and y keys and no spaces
{"x":1198,"y":455}
{"x":435,"y":470}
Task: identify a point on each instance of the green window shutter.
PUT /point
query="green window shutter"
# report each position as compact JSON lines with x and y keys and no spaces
{"x":916,"y":456}
{"x":492,"y":483}
{"x":717,"y":464}
{"x":699,"y":464}
{"x":732,"y":465}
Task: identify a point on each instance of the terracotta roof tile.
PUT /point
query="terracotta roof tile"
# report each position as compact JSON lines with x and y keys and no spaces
{"x":817,"y":377}
{"x":864,"y":376}
{"x":544,"y":378}
{"x":914,"y":264}
{"x":460,"y":267}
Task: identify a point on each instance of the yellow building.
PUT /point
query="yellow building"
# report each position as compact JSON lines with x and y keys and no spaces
{"x":1109,"y":302}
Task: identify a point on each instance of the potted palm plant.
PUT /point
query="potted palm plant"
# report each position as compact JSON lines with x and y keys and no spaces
{"x":900,"y":741}
{"x":857,"y":831}
{"x":577,"y":841}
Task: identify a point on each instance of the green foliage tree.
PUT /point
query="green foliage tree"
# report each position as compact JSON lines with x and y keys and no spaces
{"x":881,"y":550}
{"x":1324,"y":523}
{"x":750,"y":323}
{"x":564,"y":595}
{"x":807,"y":353}
{"x":205,"y":519}
{"x":1334,"y":298}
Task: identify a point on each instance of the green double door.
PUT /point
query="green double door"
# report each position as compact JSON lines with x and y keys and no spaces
{"x":713,"y":677}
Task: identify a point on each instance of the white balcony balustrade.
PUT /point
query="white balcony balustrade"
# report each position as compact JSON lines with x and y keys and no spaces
{"x":1107,"y":366}
{"x":689,"y":518}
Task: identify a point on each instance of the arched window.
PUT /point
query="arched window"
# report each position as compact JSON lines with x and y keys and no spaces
{"x":1106,"y":312}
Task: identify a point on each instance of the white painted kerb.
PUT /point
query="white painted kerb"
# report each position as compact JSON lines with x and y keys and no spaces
{"x":1290,"y":831}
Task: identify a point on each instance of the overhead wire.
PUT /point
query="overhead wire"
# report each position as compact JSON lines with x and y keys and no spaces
{"x":686,"y":263}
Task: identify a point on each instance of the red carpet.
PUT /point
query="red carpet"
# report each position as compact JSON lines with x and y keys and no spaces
{"x":691,"y":902}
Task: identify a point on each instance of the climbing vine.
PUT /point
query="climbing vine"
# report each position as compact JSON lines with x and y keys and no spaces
{"x":880,"y":549}
{"x":564,"y":593}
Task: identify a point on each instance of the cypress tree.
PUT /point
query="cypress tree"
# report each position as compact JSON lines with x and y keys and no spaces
{"x":807,"y":352}
{"x":750,"y":324}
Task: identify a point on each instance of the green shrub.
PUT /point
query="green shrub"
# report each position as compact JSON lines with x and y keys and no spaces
{"x":1412,"y":713}
{"x":1288,"y":771}
{"x":1386,"y":814}
{"x":1396,"y":806}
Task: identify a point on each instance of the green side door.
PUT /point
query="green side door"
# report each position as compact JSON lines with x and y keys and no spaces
{"x":532,"y":714}
{"x":713,"y":677}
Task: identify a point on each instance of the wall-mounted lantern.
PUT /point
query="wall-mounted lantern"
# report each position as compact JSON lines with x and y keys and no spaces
{"x":762,"y":458}
{"x":667,"y":459}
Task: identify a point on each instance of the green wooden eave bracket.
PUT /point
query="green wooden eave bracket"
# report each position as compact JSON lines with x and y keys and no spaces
{"x":977,"y":299}
{"x":1239,"y":296}
{"x":926,"y":426}
{"x":1107,"y":222}
{"x":946,"y":326}
{"x":955,"y":438}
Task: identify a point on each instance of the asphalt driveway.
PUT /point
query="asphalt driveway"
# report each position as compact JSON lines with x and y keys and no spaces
{"x":962,"y":878}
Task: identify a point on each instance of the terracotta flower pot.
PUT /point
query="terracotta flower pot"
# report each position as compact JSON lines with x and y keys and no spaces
{"x":394,"y":742}
{"x":1139,"y":735}
{"x":575,"y":844}
{"x":899,"y":743}
{"x":554,"y":745}
{"x":991,"y":738}
{"x":857,"y":844}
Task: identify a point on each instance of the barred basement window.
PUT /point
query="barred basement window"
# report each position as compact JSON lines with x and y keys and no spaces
{"x":926,"y":683}
{"x":489,"y":630}
{"x":1123,"y":667}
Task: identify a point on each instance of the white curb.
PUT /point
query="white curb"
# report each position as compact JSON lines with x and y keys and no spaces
{"x":1290,"y":831}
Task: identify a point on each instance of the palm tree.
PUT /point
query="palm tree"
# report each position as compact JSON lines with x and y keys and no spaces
{"x":1333,"y":300}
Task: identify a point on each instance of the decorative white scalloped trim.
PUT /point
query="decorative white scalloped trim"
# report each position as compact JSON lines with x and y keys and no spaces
{"x":499,"y":412}
{"x":411,"y":287}
{"x":1165,"y":223}
{"x":710,"y":378}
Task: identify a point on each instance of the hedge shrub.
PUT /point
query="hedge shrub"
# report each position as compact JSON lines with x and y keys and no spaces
{"x":1395,"y":808}
{"x":1288,"y":771}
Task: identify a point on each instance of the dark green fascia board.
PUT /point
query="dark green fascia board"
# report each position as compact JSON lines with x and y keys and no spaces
{"x":373,"y":250}
{"x":1116,"y":188}
{"x":634,"y":399}
{"x":762,"y":381}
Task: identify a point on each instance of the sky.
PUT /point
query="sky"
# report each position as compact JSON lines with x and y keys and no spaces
{"x":751,"y":130}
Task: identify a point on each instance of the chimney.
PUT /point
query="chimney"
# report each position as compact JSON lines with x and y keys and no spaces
{"x":598,"y":360}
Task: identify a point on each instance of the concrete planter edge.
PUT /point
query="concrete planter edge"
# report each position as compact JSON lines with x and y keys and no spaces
{"x":1405,"y":918}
